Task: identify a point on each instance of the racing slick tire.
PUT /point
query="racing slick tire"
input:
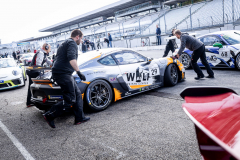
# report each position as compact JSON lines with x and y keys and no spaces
{"x":237,"y":61}
{"x":171,"y":75}
{"x":185,"y":59}
{"x":99,"y":95}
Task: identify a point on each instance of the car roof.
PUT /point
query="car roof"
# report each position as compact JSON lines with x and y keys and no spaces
{"x":220,"y":32}
{"x":97,"y":54}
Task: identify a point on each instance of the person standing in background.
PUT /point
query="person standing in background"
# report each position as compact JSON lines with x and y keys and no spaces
{"x":110,"y":40}
{"x":158,"y":34}
{"x":98,"y":43}
{"x":106,"y":41}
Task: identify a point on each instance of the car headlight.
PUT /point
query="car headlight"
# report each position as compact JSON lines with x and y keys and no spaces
{"x":15,"y":72}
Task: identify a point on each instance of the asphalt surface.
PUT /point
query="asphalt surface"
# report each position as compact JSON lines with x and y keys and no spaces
{"x":151,"y":125}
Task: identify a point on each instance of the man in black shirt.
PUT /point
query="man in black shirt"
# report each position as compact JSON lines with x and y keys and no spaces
{"x":64,"y":66}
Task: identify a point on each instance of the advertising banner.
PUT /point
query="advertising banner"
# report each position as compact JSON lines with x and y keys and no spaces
{"x":23,"y":44}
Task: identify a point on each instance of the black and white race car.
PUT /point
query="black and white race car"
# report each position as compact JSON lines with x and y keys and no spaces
{"x":111,"y":74}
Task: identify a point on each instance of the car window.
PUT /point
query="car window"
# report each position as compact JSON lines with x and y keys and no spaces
{"x":129,"y":57}
{"x":5,"y":63}
{"x":210,"y":40}
{"x":108,"y":60}
{"x":232,"y":37}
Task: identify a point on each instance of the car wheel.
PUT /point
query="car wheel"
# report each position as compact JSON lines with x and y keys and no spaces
{"x":99,"y":95}
{"x":171,"y":75}
{"x":237,"y":61}
{"x":185,"y":59}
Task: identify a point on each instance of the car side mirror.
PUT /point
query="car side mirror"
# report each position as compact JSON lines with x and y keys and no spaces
{"x":217,"y":44}
{"x":149,"y":59}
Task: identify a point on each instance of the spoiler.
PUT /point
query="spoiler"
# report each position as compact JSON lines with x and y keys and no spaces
{"x":215,"y":112}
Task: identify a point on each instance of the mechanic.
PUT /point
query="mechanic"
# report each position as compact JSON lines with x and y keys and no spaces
{"x":106,"y":41}
{"x":171,"y":45}
{"x":38,"y":60}
{"x":198,"y":49}
{"x":64,"y":66}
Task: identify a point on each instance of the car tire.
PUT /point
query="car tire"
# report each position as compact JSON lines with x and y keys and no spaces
{"x":99,"y":95}
{"x":237,"y":61}
{"x":185,"y":59}
{"x":171,"y":75}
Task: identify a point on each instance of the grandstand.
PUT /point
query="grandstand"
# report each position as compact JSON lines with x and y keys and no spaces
{"x":130,"y":22}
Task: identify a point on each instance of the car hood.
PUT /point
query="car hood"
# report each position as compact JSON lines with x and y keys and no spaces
{"x":5,"y":72}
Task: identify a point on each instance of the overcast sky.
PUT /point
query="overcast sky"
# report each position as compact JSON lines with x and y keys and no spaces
{"x":21,"y":19}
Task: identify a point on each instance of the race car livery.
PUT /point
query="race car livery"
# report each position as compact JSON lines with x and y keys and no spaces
{"x":111,"y":74}
{"x":11,"y":74}
{"x":222,"y":50}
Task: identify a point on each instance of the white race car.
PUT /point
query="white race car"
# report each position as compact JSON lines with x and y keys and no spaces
{"x":11,"y":74}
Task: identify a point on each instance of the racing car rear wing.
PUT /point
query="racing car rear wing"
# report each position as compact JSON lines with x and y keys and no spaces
{"x":215,"y":112}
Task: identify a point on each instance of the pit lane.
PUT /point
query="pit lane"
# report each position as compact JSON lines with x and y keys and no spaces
{"x":151,"y":125}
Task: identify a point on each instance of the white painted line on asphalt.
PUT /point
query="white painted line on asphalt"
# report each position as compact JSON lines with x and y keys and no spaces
{"x":19,"y":146}
{"x":120,"y":154}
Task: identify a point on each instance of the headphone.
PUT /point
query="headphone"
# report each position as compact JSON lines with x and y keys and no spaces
{"x":46,"y":47}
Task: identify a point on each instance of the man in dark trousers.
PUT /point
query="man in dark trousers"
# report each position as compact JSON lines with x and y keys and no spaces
{"x":198,"y":49}
{"x":38,"y":60}
{"x":64,"y":66}
{"x":110,"y":39}
{"x":171,"y":45}
{"x":158,"y":34}
{"x":106,"y":41}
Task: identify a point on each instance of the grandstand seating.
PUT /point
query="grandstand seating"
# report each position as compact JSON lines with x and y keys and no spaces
{"x":204,"y":14}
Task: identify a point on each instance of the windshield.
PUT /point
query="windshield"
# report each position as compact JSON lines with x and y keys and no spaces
{"x":5,"y":63}
{"x":28,"y":55}
{"x":232,"y":37}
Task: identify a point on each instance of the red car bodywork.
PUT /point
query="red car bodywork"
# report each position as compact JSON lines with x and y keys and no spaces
{"x":216,"y":115}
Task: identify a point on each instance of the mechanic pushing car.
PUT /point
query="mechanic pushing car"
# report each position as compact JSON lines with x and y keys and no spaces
{"x":64,"y":66}
{"x":38,"y":60}
{"x":198,"y":49}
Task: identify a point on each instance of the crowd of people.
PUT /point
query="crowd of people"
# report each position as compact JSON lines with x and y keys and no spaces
{"x":86,"y":44}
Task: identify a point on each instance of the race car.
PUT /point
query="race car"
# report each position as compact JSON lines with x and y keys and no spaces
{"x":26,"y":58}
{"x":11,"y":74}
{"x":111,"y":75}
{"x":215,"y":112}
{"x":222,"y":50}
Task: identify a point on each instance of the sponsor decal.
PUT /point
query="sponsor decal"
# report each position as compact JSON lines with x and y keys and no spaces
{"x":96,"y":72}
{"x":127,"y":93}
{"x":142,"y":76}
{"x":224,"y":54}
{"x":112,"y":79}
{"x":213,"y":58}
{"x":1,"y":81}
{"x":55,"y":97}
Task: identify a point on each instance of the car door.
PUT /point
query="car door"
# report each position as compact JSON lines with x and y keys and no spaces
{"x":136,"y":71}
{"x":213,"y":54}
